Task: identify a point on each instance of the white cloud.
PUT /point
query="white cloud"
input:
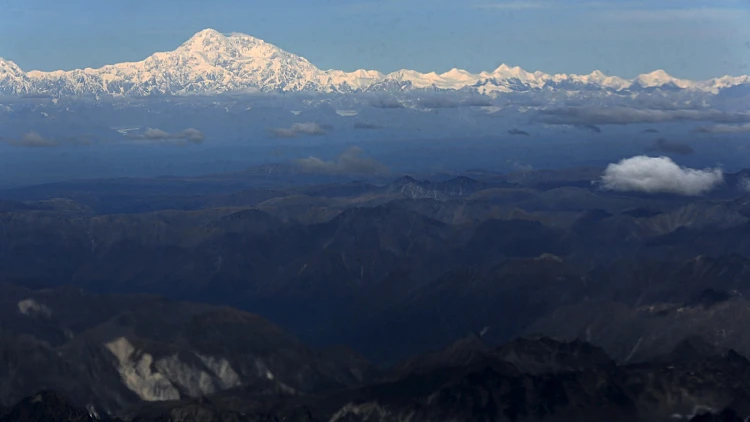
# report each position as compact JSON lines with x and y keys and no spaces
{"x":744,"y":184}
{"x":628,"y":10}
{"x":671,"y":15}
{"x":543,"y":4}
{"x":630,"y":115}
{"x":659,"y":175}
{"x":189,"y":135}
{"x":633,"y":10}
{"x":516,"y":5}
{"x":34,"y":139}
{"x":520,"y":167}
{"x":725,"y":129}
{"x":306,"y":128}
{"x":349,"y":161}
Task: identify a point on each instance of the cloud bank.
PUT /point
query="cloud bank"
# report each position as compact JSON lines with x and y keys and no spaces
{"x":438,"y":102}
{"x":477,"y":101}
{"x":664,"y":145}
{"x":452,"y":100}
{"x":386,"y":103}
{"x":518,"y":132}
{"x":184,"y":137}
{"x":350,"y":161}
{"x":593,"y":128}
{"x":364,"y":125}
{"x":306,"y":128}
{"x":744,"y":184}
{"x":724,"y":128}
{"x":659,"y":175}
{"x":579,"y":115}
{"x":33,"y":139}
{"x":519,"y":167}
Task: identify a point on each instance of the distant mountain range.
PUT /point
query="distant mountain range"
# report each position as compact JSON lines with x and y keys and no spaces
{"x":212,"y":63}
{"x":236,"y":297}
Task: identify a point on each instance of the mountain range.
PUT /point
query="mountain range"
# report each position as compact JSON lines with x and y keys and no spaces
{"x":527,"y":379}
{"x":394,"y":269}
{"x":211,"y":63}
{"x":477,"y":296}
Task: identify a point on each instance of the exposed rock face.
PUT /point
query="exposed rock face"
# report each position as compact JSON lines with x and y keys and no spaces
{"x":529,"y":379}
{"x":112,"y":352}
{"x":31,"y":307}
{"x":544,"y":379}
{"x":48,"y":406}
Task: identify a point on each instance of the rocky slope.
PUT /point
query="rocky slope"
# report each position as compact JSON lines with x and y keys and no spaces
{"x":111,"y":352}
{"x":529,"y":379}
{"x":395,"y":268}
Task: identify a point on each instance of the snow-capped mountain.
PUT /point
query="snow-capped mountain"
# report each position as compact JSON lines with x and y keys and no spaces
{"x":211,"y":62}
{"x":12,"y":79}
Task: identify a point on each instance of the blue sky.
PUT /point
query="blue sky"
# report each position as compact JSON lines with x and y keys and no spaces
{"x":687,"y":38}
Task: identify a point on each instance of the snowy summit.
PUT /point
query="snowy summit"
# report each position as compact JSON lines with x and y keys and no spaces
{"x":212,"y":62}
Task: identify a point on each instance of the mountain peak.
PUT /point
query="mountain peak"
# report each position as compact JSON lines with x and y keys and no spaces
{"x":210,"y":47}
{"x":502,"y":68}
{"x":240,"y":35}
{"x":213,"y":36}
{"x":208,"y":33}
{"x":659,"y":73}
{"x":213,"y":62}
{"x":506,"y":71}
{"x":457,"y":73}
{"x":8,"y":66}
{"x":658,"y":76}
{"x":205,"y":37}
{"x":212,"y":40}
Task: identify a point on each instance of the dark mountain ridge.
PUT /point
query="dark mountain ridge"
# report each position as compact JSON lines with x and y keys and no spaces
{"x":529,"y":379}
{"x":393,"y":269}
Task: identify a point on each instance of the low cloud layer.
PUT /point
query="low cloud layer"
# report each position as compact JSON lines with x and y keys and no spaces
{"x":518,"y":132}
{"x":430,"y":100}
{"x":363,"y":125}
{"x":187,"y":136}
{"x":350,"y":161}
{"x":519,"y":167}
{"x":744,"y":184}
{"x":386,"y":103}
{"x":453,"y":100}
{"x":628,"y":115}
{"x":306,"y":128}
{"x":725,"y":129}
{"x":283,"y":133}
{"x":35,"y":140}
{"x":659,"y":175}
{"x":593,"y":128}
{"x":477,"y":101}
{"x":438,"y":102}
{"x":664,"y":145}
